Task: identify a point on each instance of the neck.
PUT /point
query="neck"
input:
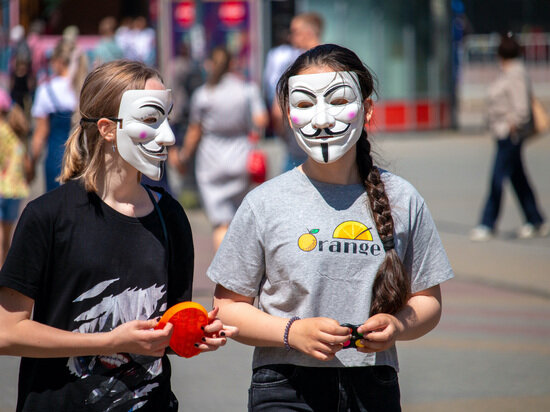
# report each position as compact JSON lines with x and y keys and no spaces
{"x":120,"y":188}
{"x":341,"y":172}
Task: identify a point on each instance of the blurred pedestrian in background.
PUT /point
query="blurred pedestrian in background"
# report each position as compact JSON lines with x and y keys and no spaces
{"x":223,"y":113}
{"x":306,"y":31}
{"x":143,"y":42}
{"x":187,"y":76}
{"x":510,"y":122}
{"x":22,"y":81}
{"x":13,"y":158}
{"x":54,"y":105}
{"x":107,"y":49}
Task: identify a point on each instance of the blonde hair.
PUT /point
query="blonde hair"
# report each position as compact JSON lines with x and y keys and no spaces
{"x":100,"y":97}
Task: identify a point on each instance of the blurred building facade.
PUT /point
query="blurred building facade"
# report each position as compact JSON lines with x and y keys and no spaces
{"x":425,"y":53}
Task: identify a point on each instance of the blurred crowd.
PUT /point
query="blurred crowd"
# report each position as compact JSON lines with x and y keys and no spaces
{"x":40,"y":107}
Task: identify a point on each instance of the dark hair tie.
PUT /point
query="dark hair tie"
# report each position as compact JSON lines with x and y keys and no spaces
{"x":388,"y":243}
{"x":95,"y":120}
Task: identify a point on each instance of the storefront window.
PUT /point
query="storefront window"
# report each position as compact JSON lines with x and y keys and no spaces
{"x":405,"y":43}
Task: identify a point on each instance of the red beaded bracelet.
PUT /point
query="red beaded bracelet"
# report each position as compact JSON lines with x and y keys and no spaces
{"x":287,"y":329}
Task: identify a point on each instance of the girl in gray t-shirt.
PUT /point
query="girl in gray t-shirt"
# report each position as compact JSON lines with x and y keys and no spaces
{"x":343,"y":257}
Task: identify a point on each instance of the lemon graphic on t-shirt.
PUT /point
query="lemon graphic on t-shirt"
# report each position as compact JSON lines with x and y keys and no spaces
{"x":307,"y":241}
{"x":352,"y":229}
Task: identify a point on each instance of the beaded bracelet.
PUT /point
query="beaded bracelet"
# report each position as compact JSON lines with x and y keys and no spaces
{"x":287,"y":329}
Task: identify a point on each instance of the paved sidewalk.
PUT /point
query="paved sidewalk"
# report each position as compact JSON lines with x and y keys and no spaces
{"x":490,"y":351}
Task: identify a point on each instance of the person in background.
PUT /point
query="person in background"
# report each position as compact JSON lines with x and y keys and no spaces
{"x":22,"y":85}
{"x":22,"y":81}
{"x":95,"y":262}
{"x":107,"y":49}
{"x":223,"y":112}
{"x":510,"y":122}
{"x":123,"y":36}
{"x":334,"y":246}
{"x":13,"y":163}
{"x":143,"y":41}
{"x":54,"y":105}
{"x":187,"y":76}
{"x":306,"y":31}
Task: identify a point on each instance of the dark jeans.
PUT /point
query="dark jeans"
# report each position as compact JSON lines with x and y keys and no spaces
{"x":508,"y":164}
{"x":298,"y":388}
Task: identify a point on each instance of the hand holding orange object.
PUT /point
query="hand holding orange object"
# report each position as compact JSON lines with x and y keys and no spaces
{"x":189,"y":320}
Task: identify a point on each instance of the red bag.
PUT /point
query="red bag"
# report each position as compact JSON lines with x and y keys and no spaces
{"x":257,"y":166}
{"x":256,"y":163}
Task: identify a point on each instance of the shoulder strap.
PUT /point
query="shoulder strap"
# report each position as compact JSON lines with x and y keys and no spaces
{"x":162,"y":223}
{"x":55,"y":103}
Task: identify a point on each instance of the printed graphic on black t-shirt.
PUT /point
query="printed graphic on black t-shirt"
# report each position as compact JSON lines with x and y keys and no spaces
{"x":131,"y":376}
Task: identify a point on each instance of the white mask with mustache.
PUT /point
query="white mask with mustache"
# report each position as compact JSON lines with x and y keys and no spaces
{"x":326,"y":113}
{"x":143,"y":131}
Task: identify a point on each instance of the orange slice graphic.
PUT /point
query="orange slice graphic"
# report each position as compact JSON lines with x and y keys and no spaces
{"x":352,"y":230}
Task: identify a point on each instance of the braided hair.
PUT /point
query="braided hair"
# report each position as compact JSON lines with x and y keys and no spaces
{"x":391,"y":287}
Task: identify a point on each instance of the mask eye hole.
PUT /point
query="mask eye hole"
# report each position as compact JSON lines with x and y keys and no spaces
{"x":150,"y":120}
{"x":304,"y":104}
{"x":339,"y":101}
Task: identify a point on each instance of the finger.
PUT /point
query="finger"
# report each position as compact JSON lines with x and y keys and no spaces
{"x":334,"y":339}
{"x":168,"y":329}
{"x":376,"y":322}
{"x":213,"y":327}
{"x":382,"y":336}
{"x":146,"y":324}
{"x":213,"y":314}
{"x":322,"y":356}
{"x":371,"y":347}
{"x":211,"y":344}
{"x":230,"y":331}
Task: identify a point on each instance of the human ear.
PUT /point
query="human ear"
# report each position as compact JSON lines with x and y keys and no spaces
{"x":107,"y":129}
{"x":369,"y":106}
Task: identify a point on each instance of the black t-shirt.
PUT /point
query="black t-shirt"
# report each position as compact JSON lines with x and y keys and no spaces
{"x":89,"y":269}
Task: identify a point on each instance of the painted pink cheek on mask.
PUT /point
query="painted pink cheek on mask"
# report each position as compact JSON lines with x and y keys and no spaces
{"x":295,"y":120}
{"x":143,"y":135}
{"x":352,"y":115}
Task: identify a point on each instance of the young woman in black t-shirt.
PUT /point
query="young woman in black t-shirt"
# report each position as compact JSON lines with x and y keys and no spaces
{"x":96,"y":261}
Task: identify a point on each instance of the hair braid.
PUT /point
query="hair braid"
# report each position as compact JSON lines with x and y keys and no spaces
{"x":391,"y":287}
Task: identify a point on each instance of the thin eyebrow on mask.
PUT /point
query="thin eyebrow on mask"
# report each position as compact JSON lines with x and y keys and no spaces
{"x":312,"y":95}
{"x":154,"y":106}
{"x":334,"y":88}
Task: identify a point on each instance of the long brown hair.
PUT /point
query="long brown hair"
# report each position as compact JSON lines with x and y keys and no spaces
{"x":391,"y":287}
{"x":100,"y":97}
{"x":220,"y":60}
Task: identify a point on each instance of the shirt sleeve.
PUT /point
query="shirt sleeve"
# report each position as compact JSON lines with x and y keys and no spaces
{"x":239,"y":264}
{"x":42,"y":106}
{"x":519,"y":99}
{"x":425,"y":258}
{"x":27,"y":259}
{"x":257,"y":105}
{"x":195,"y":113}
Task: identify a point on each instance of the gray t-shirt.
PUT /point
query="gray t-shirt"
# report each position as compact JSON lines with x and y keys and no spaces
{"x":306,"y":248}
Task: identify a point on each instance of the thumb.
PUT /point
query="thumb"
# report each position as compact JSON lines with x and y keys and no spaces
{"x":147,"y":324}
{"x":212,"y":314}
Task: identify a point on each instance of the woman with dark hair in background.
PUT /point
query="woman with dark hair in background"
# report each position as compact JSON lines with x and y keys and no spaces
{"x":510,"y":122}
{"x":223,"y":112}
{"x":339,"y":253}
